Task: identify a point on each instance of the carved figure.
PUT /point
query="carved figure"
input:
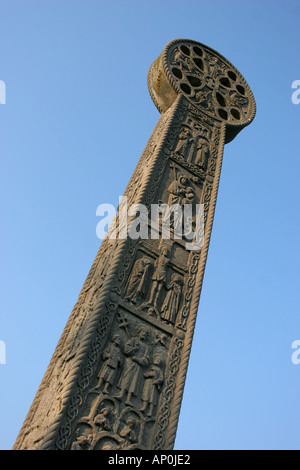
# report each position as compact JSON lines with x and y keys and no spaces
{"x":177,"y":190}
{"x":171,"y":304}
{"x":153,"y":384}
{"x":181,"y":192}
{"x":82,"y":442}
{"x":183,"y":142}
{"x":113,"y":359}
{"x":159,"y":276}
{"x":128,"y":432}
{"x":104,"y":420}
{"x":137,"y":359}
{"x":202,"y":154}
{"x":138,"y":281}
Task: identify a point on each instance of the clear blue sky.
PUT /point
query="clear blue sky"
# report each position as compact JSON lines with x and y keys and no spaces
{"x":77,"y":117}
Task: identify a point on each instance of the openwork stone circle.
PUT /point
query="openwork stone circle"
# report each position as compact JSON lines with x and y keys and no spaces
{"x":206,"y":79}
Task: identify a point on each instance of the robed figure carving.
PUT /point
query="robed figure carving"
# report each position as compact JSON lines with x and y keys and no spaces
{"x":153,"y":385}
{"x":158,"y":278}
{"x":137,"y":354}
{"x":138,"y":281}
{"x":172,"y":301}
{"x":202,"y":155}
{"x":113,"y":360}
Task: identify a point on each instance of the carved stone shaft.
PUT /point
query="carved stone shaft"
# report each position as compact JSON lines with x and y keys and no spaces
{"x":116,"y":378}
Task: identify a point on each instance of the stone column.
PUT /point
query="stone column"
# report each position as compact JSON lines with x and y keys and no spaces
{"x":116,"y":378}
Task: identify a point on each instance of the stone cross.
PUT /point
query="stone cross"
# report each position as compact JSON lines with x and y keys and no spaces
{"x":116,"y":378}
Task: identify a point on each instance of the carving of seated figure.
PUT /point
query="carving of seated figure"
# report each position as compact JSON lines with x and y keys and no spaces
{"x":128,"y":432}
{"x":104,"y":419}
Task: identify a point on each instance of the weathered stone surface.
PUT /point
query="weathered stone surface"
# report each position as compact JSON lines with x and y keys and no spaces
{"x":116,"y":378}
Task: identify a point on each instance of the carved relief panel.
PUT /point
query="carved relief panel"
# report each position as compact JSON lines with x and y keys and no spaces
{"x":122,"y":404}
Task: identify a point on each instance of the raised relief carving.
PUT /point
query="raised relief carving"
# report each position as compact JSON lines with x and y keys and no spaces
{"x":137,"y":286}
{"x":137,"y":354}
{"x":123,"y":404}
{"x":209,"y":82}
{"x":113,"y":360}
{"x":105,"y":419}
{"x":181,"y":192}
{"x":158,"y":280}
{"x":184,"y":311}
{"x":108,"y":444}
{"x":171,"y":303}
{"x":183,"y":144}
{"x":82,"y":442}
{"x":160,"y":339}
{"x":153,"y":384}
{"x":128,"y":433}
{"x":203,"y":153}
{"x":239,"y":101}
{"x":196,"y":155}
